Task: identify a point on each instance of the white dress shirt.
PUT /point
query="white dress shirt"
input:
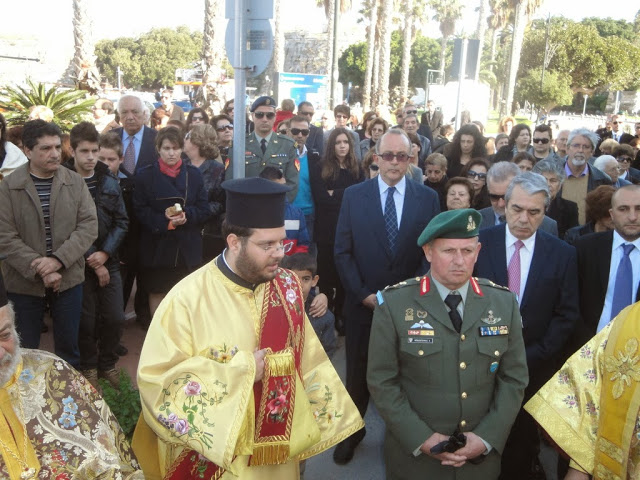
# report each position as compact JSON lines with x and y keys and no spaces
{"x":616,"y":256}
{"x":398,"y":195}
{"x":526,"y":255}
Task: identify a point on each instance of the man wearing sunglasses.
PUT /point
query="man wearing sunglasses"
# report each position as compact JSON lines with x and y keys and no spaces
{"x":617,"y":132}
{"x":265,"y":147}
{"x":542,"y":136}
{"x":315,"y":140}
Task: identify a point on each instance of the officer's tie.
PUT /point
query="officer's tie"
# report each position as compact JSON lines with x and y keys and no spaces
{"x":623,"y":292}
{"x":452,"y":301}
{"x":263,"y":145}
{"x":391,"y":219}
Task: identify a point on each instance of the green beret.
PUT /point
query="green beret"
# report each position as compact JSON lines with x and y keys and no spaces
{"x":462,"y":223}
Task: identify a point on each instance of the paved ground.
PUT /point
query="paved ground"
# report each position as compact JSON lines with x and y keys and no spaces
{"x":367,"y":463}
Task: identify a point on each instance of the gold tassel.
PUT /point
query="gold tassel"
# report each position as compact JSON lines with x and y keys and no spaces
{"x":269,"y":454}
{"x":280,"y":364}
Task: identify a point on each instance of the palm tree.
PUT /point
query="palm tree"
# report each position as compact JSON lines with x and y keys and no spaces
{"x":407,"y":41}
{"x":385,"y":52}
{"x":85,"y":72}
{"x":331,"y":8}
{"x":69,"y":106}
{"x":447,"y":12}
{"x":524,"y":10}
{"x":212,"y":55}
{"x":481,"y":30}
{"x":371,"y":50}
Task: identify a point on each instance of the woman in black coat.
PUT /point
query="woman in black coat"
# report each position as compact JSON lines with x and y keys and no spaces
{"x":170,"y":242}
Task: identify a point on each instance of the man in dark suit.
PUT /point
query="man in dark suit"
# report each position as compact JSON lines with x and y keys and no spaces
{"x":542,"y":272}
{"x":139,"y":147}
{"x":616,"y":132}
{"x":431,"y":118}
{"x":499,"y":177}
{"x":376,"y":245}
{"x":602,"y":260}
{"x":315,"y":139}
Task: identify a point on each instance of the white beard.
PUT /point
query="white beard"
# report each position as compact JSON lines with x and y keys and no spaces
{"x":9,"y":364}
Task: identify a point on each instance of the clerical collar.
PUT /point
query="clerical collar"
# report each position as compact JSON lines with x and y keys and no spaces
{"x":224,"y":267}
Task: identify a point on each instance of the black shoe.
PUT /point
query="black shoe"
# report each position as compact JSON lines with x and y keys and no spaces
{"x":121,"y":350}
{"x":344,"y":451}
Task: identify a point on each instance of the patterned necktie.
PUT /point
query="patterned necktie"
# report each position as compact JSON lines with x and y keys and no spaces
{"x":130,"y":157}
{"x":452,"y":301}
{"x":391,"y":219}
{"x":513,"y":270}
{"x":502,"y":219}
{"x":623,"y":291}
{"x":263,"y":145}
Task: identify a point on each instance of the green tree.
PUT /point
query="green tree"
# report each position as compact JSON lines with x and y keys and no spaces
{"x":447,"y":13}
{"x":556,"y":89}
{"x":151,"y":60}
{"x":608,"y":27}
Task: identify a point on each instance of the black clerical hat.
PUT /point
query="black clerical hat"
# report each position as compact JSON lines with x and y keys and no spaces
{"x":255,"y":202}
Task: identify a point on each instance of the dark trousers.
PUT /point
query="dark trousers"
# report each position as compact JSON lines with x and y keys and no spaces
{"x":329,"y":278}
{"x":522,"y":448}
{"x":66,"y":308}
{"x":102,"y":321}
{"x":357,"y":331}
{"x":129,"y":273}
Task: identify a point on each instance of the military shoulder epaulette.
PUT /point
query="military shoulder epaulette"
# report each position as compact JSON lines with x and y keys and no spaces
{"x":404,"y":283}
{"x":484,"y":281}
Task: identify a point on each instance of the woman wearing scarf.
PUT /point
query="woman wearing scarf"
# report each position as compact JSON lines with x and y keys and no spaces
{"x":170,"y":200}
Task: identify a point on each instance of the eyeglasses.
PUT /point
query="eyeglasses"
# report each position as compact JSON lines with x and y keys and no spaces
{"x":543,"y":141}
{"x":373,"y":167}
{"x":306,"y":114}
{"x":496,"y":198}
{"x":339,"y":115}
{"x":578,"y":146}
{"x":411,"y":112}
{"x":624,"y":159}
{"x":270,"y":248}
{"x":298,"y":131}
{"x":197,"y":119}
{"x":224,"y":127}
{"x":478,"y":175}
{"x":616,"y":123}
{"x":389,"y":156}
{"x":269,"y":115}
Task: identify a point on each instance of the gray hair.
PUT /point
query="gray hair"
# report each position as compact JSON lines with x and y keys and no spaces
{"x":586,"y":133}
{"x":502,"y":171}
{"x":531,"y":183}
{"x":413,"y":115}
{"x":601,"y":162}
{"x":552,"y":167}
{"x":394,"y":131}
{"x":128,"y":97}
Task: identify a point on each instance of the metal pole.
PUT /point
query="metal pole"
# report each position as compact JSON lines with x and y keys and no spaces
{"x":240,"y":73}
{"x":584,"y":108}
{"x":334,"y":71}
{"x":119,"y":73}
{"x":462,"y":71}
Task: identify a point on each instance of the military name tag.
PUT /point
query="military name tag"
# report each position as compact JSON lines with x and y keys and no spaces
{"x":419,"y":340}
{"x":494,"y":330}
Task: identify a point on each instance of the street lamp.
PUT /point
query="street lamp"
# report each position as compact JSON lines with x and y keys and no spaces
{"x":584,"y":108}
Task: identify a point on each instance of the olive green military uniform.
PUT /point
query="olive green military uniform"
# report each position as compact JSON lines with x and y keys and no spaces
{"x":425,"y":377}
{"x":281,"y":153}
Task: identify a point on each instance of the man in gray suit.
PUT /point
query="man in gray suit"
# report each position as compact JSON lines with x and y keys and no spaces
{"x":499,"y":177}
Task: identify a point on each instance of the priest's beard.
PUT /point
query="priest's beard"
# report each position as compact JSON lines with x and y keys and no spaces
{"x":253,"y":270}
{"x":10,"y":362}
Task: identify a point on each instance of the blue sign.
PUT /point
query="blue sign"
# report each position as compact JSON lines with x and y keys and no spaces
{"x":304,"y":87}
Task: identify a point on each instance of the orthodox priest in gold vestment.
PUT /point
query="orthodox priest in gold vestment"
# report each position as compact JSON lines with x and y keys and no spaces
{"x":233,"y":380}
{"x":590,"y":407}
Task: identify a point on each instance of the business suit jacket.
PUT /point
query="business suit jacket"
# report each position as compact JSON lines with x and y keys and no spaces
{"x":363,"y":258}
{"x":594,"y":261}
{"x":549,"y":225}
{"x":148,"y":153}
{"x":417,"y":387}
{"x":434,"y":121}
{"x":315,"y":140}
{"x":549,"y":305}
{"x":564,"y":212}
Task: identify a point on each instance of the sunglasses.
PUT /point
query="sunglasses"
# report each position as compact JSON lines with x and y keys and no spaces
{"x":298,"y":131}
{"x":341,"y":116}
{"x":411,"y":112}
{"x":283,"y":131}
{"x":478,"y":175}
{"x":624,"y":159}
{"x":373,"y":167}
{"x":269,"y":115}
{"x":616,"y":123}
{"x":543,"y":141}
{"x":389,"y":156}
{"x":195,"y":119}
{"x":224,"y":127}
{"x":496,"y":198}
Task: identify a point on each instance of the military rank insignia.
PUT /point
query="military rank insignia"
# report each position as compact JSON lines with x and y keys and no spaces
{"x":425,"y":285}
{"x":494,"y":330}
{"x":490,"y":319}
{"x":226,"y":163}
{"x":296,"y":163}
{"x":471,"y":225}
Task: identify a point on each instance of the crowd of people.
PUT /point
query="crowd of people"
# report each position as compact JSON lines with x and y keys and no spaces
{"x":548,"y":220}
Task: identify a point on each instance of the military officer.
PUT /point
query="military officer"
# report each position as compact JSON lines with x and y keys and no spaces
{"x":446,"y":356}
{"x":265,"y":147}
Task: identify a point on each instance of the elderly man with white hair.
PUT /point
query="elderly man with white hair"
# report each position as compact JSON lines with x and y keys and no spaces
{"x":581,"y":177}
{"x":53,"y":423}
{"x":609,"y":165}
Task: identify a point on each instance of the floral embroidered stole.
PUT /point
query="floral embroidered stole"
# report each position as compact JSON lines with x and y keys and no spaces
{"x":620,"y":396}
